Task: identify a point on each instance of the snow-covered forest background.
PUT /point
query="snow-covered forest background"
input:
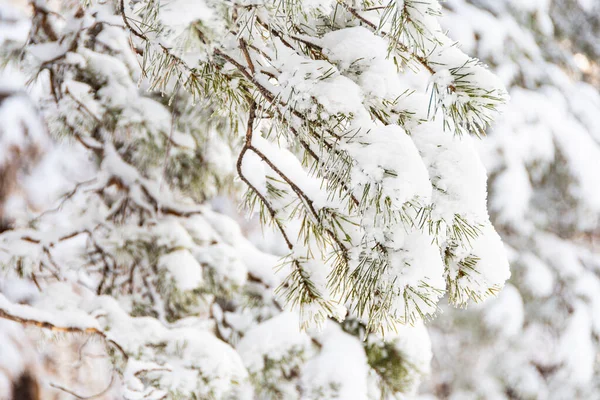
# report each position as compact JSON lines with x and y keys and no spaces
{"x":299,"y":199}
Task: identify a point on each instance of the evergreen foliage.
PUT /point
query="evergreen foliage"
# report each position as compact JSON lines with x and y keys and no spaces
{"x":350,"y":127}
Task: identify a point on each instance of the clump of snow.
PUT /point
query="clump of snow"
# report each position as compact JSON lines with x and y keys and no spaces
{"x":416,"y":274}
{"x":578,"y":348}
{"x":456,"y":172}
{"x":350,"y":45}
{"x":184,"y":269}
{"x":415,"y":345}
{"x":340,"y":369}
{"x":387,"y":158}
{"x":274,"y":339}
{"x":505,"y":315}
{"x":537,"y":276}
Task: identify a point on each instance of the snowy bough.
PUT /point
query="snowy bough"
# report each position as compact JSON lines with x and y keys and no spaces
{"x":350,"y":126}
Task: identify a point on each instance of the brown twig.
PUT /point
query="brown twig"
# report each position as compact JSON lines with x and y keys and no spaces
{"x":62,"y":329}
{"x":94,"y":396}
{"x":244,"y":49}
{"x":240,"y":171}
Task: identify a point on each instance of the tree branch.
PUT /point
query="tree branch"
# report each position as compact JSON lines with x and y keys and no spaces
{"x":94,"y":396}
{"x":62,"y":329}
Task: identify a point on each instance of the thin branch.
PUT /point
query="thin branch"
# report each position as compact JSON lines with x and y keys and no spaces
{"x":62,"y":329}
{"x":239,"y":166}
{"x":244,"y":49}
{"x":94,"y":396}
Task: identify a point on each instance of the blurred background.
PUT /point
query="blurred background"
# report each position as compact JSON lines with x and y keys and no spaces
{"x":539,"y":339}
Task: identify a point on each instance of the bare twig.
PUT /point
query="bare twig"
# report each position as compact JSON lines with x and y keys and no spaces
{"x":63,"y":329}
{"x":94,"y":396}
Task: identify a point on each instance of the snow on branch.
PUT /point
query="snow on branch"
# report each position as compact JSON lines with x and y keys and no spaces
{"x":320,"y":111}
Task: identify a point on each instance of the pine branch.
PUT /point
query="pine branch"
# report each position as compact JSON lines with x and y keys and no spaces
{"x":403,"y":48}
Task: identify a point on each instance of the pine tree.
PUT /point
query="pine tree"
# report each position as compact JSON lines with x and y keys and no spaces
{"x":539,"y":340}
{"x":350,"y":127}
